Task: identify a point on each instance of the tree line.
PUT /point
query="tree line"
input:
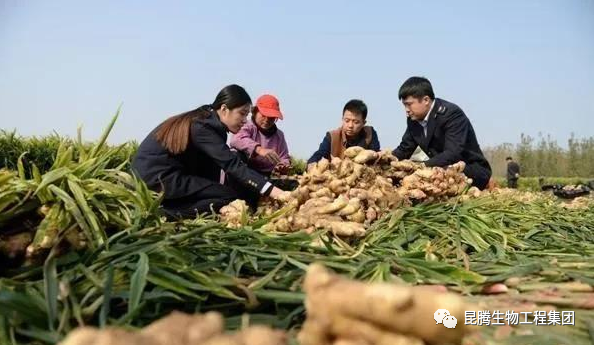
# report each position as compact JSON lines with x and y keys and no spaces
{"x":538,"y":157}
{"x":544,"y":157}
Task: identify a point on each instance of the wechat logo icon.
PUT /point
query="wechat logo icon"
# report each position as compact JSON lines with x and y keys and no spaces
{"x":443,"y":316}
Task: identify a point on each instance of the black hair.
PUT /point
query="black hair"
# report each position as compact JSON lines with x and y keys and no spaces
{"x":174,"y":133}
{"x":233,"y":96}
{"x":356,"y":106}
{"x":509,"y":159}
{"x":417,"y":87}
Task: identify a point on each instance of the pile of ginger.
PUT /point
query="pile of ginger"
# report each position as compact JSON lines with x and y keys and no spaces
{"x":346,"y":195}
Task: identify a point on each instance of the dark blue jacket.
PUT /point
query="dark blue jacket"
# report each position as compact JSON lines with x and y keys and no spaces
{"x":450,"y":139}
{"x":513,"y":168}
{"x":199,"y":166}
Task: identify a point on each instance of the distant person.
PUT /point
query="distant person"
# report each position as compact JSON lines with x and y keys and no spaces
{"x":262,"y":142}
{"x":442,"y":130}
{"x":183,"y":158}
{"x":352,"y":132}
{"x":513,"y":173}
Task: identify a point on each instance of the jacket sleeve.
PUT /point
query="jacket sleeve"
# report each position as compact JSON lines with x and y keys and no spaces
{"x":242,"y":140}
{"x":456,"y":130}
{"x":207,"y":141}
{"x":322,"y":152}
{"x":407,"y":146}
{"x":375,"y":144}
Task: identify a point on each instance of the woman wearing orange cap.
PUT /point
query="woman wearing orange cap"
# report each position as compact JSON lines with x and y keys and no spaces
{"x":183,"y":158}
{"x":261,"y":140}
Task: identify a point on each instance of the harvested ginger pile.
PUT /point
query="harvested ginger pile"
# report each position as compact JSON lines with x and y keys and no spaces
{"x":346,"y":195}
{"x":178,"y":329}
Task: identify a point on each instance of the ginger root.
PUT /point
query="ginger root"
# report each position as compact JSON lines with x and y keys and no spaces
{"x":336,"y":205}
{"x":353,"y":151}
{"x":234,"y":213}
{"x":178,"y":329}
{"x":365,"y":156}
{"x":381,"y":313}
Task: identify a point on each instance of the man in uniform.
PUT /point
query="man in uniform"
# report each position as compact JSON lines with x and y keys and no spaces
{"x":441,"y":130}
{"x":513,"y":173}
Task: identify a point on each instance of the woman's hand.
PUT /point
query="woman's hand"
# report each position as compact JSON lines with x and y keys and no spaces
{"x":269,"y":154}
{"x":279,"y":194}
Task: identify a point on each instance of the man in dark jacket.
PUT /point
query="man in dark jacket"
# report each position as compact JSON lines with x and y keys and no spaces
{"x":353,"y":132}
{"x":441,"y":130}
{"x":513,"y":173}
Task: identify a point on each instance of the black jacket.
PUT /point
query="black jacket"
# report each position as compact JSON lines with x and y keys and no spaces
{"x":199,"y":166}
{"x":450,"y":138}
{"x":326,"y":145}
{"x":512,"y":169}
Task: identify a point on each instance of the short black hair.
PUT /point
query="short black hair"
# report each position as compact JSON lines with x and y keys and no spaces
{"x":356,"y":106}
{"x":509,"y":159}
{"x":417,"y":87}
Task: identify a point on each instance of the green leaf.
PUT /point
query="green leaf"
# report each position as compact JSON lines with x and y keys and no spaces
{"x":40,"y":334}
{"x":51,"y":177}
{"x":260,"y":283}
{"x":138,"y":282}
{"x":4,"y":330}
{"x":50,"y":285}
{"x":99,"y":145}
{"x":395,"y":218}
{"x":107,"y":291}
{"x":21,"y":167}
{"x":12,"y":302}
{"x":73,"y":208}
{"x":79,"y":196}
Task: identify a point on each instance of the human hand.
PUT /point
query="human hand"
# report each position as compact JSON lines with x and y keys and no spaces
{"x":282,"y":169}
{"x":269,"y":154}
{"x":279,"y":194}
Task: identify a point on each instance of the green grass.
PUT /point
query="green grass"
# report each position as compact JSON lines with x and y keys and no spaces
{"x":532,"y":183}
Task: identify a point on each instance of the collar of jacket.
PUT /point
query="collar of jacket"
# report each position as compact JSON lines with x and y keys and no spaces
{"x":213,"y":121}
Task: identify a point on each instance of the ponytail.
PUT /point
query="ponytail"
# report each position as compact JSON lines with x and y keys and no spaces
{"x":174,"y":133}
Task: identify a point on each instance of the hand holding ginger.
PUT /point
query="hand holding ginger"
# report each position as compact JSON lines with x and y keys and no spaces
{"x":269,"y":154}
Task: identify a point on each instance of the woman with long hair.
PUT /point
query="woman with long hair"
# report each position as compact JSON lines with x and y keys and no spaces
{"x":183,"y":158}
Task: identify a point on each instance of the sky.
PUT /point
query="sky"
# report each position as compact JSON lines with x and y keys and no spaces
{"x":513,"y":66}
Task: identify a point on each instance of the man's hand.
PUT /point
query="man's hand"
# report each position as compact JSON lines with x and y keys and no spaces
{"x":269,"y":154}
{"x":517,"y":175}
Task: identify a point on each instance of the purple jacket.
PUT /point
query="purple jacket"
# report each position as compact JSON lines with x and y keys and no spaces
{"x":249,"y":137}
